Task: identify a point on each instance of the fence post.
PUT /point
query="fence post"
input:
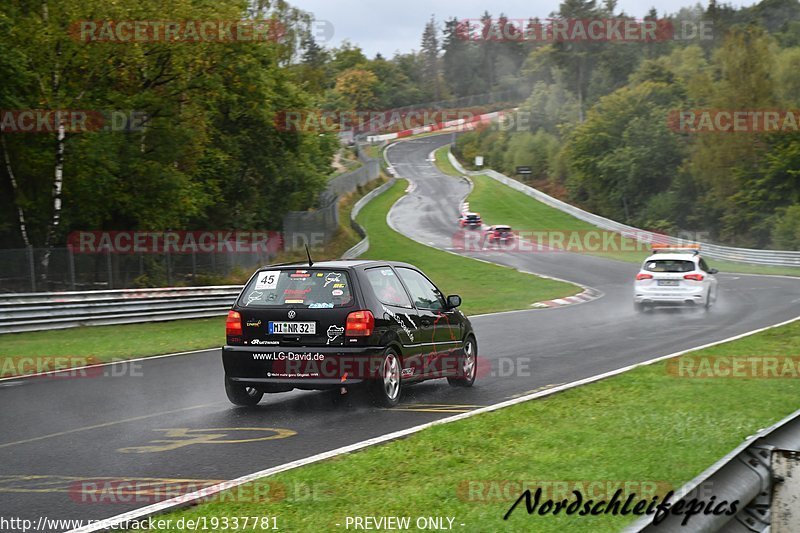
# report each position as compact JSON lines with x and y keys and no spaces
{"x":169,"y":268}
{"x":108,"y":268}
{"x":32,"y":268}
{"x":71,"y":265}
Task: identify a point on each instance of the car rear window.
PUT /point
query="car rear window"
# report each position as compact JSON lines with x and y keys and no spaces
{"x":312,"y":289}
{"x":473,"y":217}
{"x":669,"y":265}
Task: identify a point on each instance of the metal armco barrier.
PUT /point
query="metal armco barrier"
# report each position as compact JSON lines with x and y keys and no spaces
{"x":713,"y":251}
{"x":361,"y":248}
{"x":763,"y":474}
{"x":61,"y":310}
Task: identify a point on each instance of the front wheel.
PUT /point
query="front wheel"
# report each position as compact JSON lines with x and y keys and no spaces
{"x":468,"y":369}
{"x":240,"y":394}
{"x":387,"y":386}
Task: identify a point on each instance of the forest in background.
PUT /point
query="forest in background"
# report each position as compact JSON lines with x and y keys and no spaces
{"x":598,"y":132}
{"x":212,"y":157}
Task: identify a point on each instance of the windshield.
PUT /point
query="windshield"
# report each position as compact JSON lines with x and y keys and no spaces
{"x":313,"y":289}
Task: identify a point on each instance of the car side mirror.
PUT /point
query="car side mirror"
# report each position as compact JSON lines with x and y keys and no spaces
{"x":453,"y":301}
{"x":713,"y":271}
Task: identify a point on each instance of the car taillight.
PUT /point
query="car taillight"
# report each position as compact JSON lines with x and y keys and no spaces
{"x":360,"y":324}
{"x":694,"y":277}
{"x":640,"y":277}
{"x":233,"y":326}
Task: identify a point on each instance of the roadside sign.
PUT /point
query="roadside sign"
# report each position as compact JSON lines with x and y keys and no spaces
{"x":479,"y":161}
{"x":525,"y":171}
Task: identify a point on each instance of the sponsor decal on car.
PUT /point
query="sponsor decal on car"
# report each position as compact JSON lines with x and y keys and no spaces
{"x":333,"y":277}
{"x":253,"y":323}
{"x":267,"y":281}
{"x":334,"y":332}
{"x":255,"y":296}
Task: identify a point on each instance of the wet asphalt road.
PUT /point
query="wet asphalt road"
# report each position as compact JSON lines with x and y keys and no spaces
{"x":167,"y":419}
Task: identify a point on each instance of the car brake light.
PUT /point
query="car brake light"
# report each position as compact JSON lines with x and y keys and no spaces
{"x":694,"y":277}
{"x":233,"y":326}
{"x":360,"y":324}
{"x":640,"y":277}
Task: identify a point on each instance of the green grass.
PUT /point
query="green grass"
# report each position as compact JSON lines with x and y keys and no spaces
{"x":644,"y":426}
{"x":484,"y":288}
{"x":443,"y":162}
{"x":499,"y":204}
{"x":108,"y":343}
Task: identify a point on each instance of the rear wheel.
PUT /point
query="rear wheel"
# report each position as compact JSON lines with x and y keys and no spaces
{"x":240,"y":394}
{"x":386,"y":386}
{"x":469,"y":366}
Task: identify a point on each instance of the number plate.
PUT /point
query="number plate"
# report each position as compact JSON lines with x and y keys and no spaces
{"x":292,"y":328}
{"x":668,"y":283}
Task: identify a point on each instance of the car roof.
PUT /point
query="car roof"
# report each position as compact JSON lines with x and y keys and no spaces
{"x":340,"y":264}
{"x":471,"y":215}
{"x":672,"y":257}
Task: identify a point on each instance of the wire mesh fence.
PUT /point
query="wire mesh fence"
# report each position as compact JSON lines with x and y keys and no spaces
{"x":34,"y":270}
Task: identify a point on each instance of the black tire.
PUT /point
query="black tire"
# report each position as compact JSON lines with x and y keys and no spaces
{"x":240,"y":394}
{"x":387,"y":387}
{"x":468,"y":369}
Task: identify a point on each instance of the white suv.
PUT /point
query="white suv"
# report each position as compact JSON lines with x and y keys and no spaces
{"x":675,"y":276}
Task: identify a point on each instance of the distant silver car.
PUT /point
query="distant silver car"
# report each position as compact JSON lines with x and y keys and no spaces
{"x":675,"y":276}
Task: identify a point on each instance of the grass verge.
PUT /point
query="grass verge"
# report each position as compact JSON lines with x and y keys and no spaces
{"x":498,"y":204}
{"x":646,"y":427}
{"x":21,"y":352}
{"x":485,"y":288}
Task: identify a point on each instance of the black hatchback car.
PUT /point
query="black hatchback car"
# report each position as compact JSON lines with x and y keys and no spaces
{"x":342,"y":323}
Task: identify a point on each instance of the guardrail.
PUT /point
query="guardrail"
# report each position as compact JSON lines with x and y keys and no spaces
{"x":763,"y":475}
{"x":61,"y":310}
{"x":361,"y":248}
{"x":713,"y":251}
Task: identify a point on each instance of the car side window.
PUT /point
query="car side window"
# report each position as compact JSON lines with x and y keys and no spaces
{"x":387,"y":287}
{"x":423,"y":292}
{"x":703,"y":265}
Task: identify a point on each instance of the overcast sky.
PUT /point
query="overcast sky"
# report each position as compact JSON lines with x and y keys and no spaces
{"x":397,"y":25}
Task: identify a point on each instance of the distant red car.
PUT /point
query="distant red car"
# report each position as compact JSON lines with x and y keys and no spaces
{"x":470,"y":221}
{"x":499,"y":234}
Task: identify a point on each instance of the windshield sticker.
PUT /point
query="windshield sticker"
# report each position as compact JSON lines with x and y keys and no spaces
{"x":333,"y":277}
{"x":337,"y":292}
{"x":267,"y":281}
{"x":339,"y":285}
{"x":294,"y":301}
{"x":334,"y":332}
{"x":321,"y":306}
{"x":387,"y":272}
{"x":255,"y":296}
